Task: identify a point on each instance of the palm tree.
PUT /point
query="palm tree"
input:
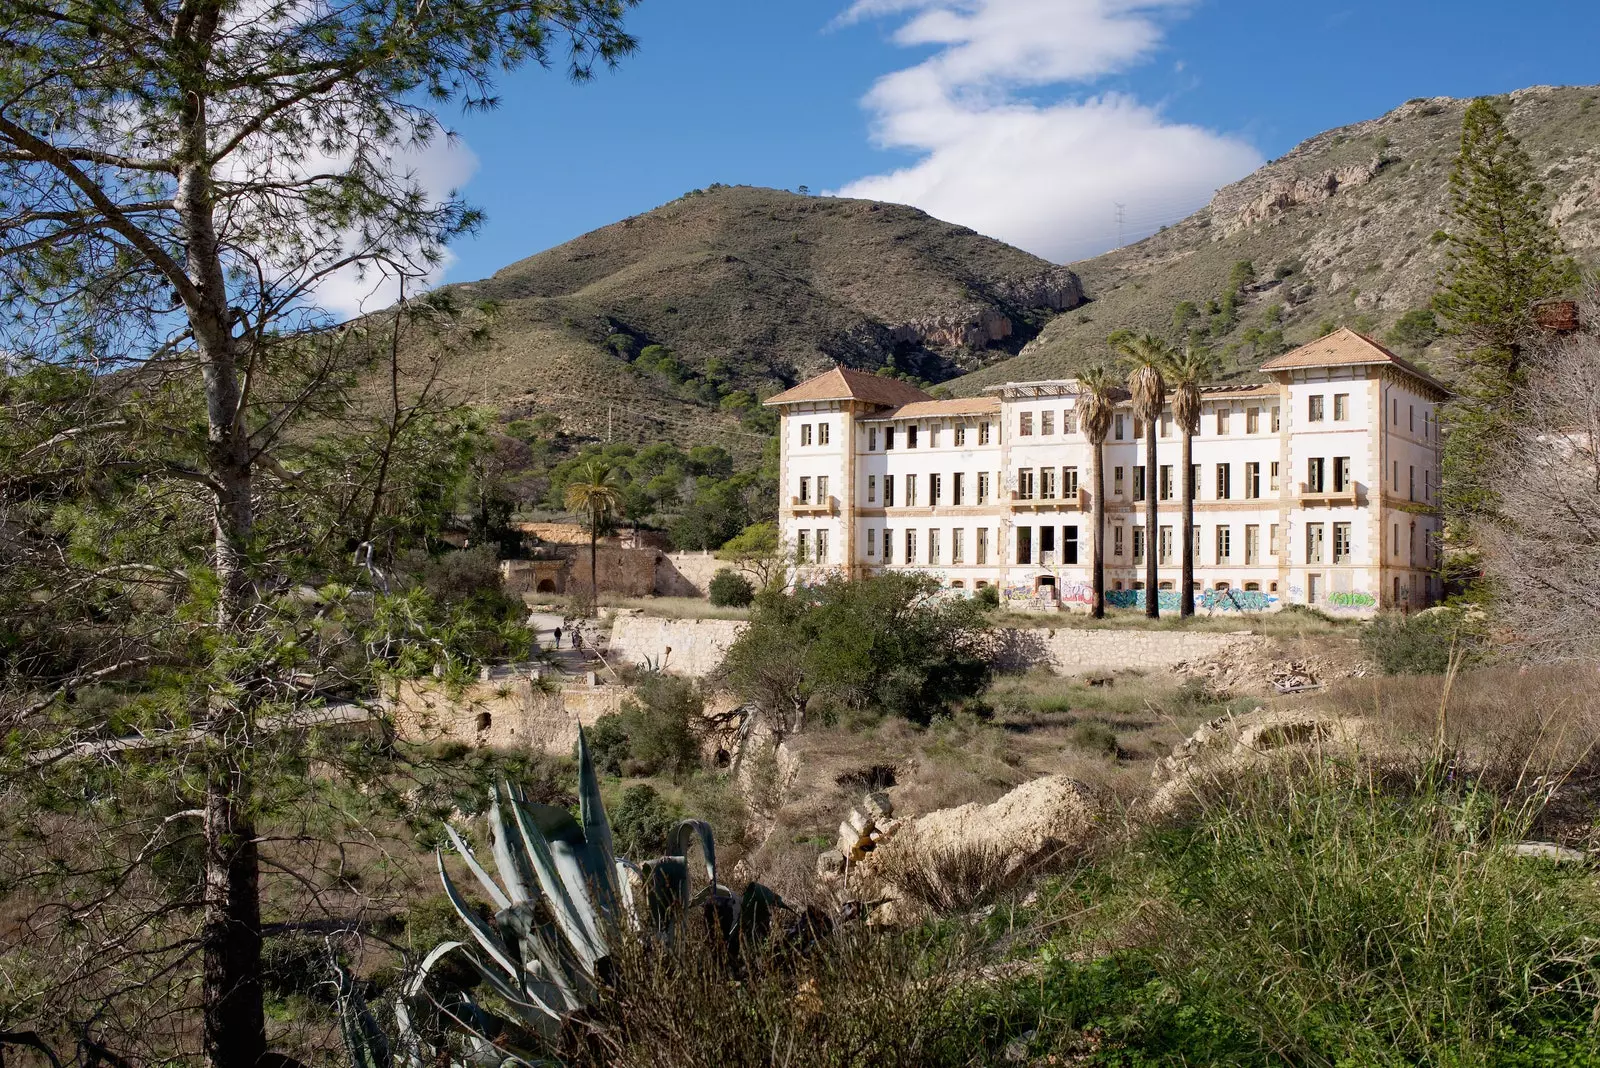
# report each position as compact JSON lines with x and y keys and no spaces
{"x":596,"y":494}
{"x":1096,"y":400}
{"x":1185,"y":373}
{"x":1145,"y":355}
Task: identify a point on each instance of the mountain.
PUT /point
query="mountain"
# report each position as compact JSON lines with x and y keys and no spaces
{"x":1340,"y":231}
{"x":673,"y":322}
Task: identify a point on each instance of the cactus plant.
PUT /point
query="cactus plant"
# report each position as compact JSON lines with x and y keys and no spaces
{"x":562,"y":899}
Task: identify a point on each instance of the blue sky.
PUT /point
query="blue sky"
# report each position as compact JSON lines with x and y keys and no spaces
{"x":1026,"y":119}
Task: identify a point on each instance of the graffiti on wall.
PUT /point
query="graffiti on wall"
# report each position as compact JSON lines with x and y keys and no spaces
{"x":1235,"y":601}
{"x":1351,"y":601}
{"x":1077,"y":593}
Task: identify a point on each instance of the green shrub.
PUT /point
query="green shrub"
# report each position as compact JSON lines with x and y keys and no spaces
{"x":608,"y":744}
{"x":1422,"y":644}
{"x":729,"y":589}
{"x":659,"y":721}
{"x":1092,"y":736}
{"x":988,"y":597}
{"x":641,"y":821}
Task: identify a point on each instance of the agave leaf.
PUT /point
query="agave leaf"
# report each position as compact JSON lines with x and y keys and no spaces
{"x":554,"y":977}
{"x":562,"y":877}
{"x":756,"y":907}
{"x":597,"y":838}
{"x":509,"y":856}
{"x":364,"y":1041}
{"x":490,"y":887}
{"x":678,"y":845}
{"x":666,"y":894}
{"x":480,"y":930}
{"x":625,"y":888}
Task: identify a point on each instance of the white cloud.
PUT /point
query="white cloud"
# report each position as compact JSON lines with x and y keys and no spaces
{"x":1046,"y":176}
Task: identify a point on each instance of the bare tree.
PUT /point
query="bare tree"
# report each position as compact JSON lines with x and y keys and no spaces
{"x":1542,"y":553}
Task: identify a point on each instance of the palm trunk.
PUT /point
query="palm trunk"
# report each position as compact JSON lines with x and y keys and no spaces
{"x":1152,"y":600}
{"x":1099,"y":505}
{"x":1186,"y":599}
{"x":594,"y":565}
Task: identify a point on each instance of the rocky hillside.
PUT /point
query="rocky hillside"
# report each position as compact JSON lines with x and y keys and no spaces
{"x":1340,"y":231}
{"x":685,"y":314}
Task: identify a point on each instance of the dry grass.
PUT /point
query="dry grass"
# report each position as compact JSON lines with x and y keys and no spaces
{"x":1289,"y":623}
{"x":673,"y":607}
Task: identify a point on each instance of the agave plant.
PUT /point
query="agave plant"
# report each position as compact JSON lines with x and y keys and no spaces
{"x":562,"y":900}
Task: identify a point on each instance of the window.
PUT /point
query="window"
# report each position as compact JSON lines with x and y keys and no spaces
{"x":1341,"y":474}
{"x":911,"y":491}
{"x":911,"y":547}
{"x":1427,"y":485}
{"x":983,"y":487}
{"x":1138,"y":429}
{"x":1164,"y":545}
{"x":1116,"y":540}
{"x":1252,"y":480}
{"x":1413,"y":543}
{"x":805,"y":490}
{"x":888,"y":438}
{"x":1069,"y":545}
{"x":1047,"y":545}
{"x":1224,"y":482}
{"x":933,"y":435}
{"x":955,"y":545}
{"x":822,"y":546}
{"x":1394,"y":540}
{"x":1411,"y":418}
{"x":802,"y":545}
{"x":1165,"y":485}
{"x":872,"y":489}
{"x":1069,"y":421}
{"x":805,"y":433}
{"x":822,"y":489}
{"x":1224,"y":544}
{"x":1222,"y":420}
{"x":1119,"y":427}
{"x":1166,"y":424}
{"x":1395,"y":476}
{"x":1411,"y":483}
{"x":1274,"y":420}
{"x":935,"y":486}
{"x":1138,"y":545}
{"x":1274,"y":546}
{"x":1025,"y":481}
{"x":983,"y":432}
{"x":1252,"y":420}
{"x":1314,"y":536}
{"x":1194,"y":543}
{"x":1194,"y":482}
{"x":1138,"y":483}
{"x":1272,"y":478}
{"x":1047,"y":483}
{"x":872,"y":542}
{"x":1394,"y":412}
{"x":933,"y":546}
{"x":1314,"y":474}
{"x":1427,"y":424}
{"x":1314,"y":409}
{"x":872,"y":439}
{"x":1024,"y":545}
{"x":888,"y":546}
{"x":983,"y":545}
{"x":1252,"y":587}
{"x":1116,"y":481}
{"x":961,"y":434}
{"x":888,"y":491}
{"x":1252,"y":543}
{"x":911,"y":436}
{"x":1341,"y":543}
{"x":1025,"y":424}
{"x":1341,"y":407}
{"x":1047,"y":423}
{"x":822,"y":433}
{"x":1069,"y":482}
{"x":958,"y":489}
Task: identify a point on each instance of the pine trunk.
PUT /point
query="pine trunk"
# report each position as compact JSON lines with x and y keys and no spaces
{"x":1152,"y":596}
{"x":230,"y":940}
{"x":1186,"y":598}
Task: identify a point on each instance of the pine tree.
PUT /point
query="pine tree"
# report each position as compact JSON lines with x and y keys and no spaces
{"x":1505,"y":257}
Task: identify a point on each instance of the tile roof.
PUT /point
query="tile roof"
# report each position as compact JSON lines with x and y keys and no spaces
{"x":842,"y":383}
{"x":1346,"y":348}
{"x":934,"y":409}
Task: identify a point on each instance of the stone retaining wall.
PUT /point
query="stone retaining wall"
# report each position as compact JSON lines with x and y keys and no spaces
{"x":516,"y":712}
{"x":691,"y":647}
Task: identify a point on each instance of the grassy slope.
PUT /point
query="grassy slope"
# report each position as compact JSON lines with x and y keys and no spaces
{"x":1364,"y":256}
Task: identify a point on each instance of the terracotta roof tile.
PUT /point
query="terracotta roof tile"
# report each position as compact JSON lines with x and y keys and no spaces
{"x":842,"y":383}
{"x":935,"y":409}
{"x":1346,"y":348}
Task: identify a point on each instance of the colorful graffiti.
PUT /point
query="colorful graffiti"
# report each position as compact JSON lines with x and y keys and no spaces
{"x":1076,"y":593}
{"x":1166,"y":600}
{"x":1352,"y":601}
{"x":1235,"y":601}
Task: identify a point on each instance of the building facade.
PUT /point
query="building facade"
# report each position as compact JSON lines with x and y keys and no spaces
{"x":1317,"y":486}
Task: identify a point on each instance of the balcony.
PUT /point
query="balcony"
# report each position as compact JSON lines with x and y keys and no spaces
{"x":1079,"y":502}
{"x":821,"y":506}
{"x":1326,"y":498}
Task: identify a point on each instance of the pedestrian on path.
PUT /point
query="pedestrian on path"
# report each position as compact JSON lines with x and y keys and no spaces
{"x":558,"y":637}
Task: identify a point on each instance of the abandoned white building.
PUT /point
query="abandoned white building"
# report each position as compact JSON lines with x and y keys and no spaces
{"x":1317,"y":486}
